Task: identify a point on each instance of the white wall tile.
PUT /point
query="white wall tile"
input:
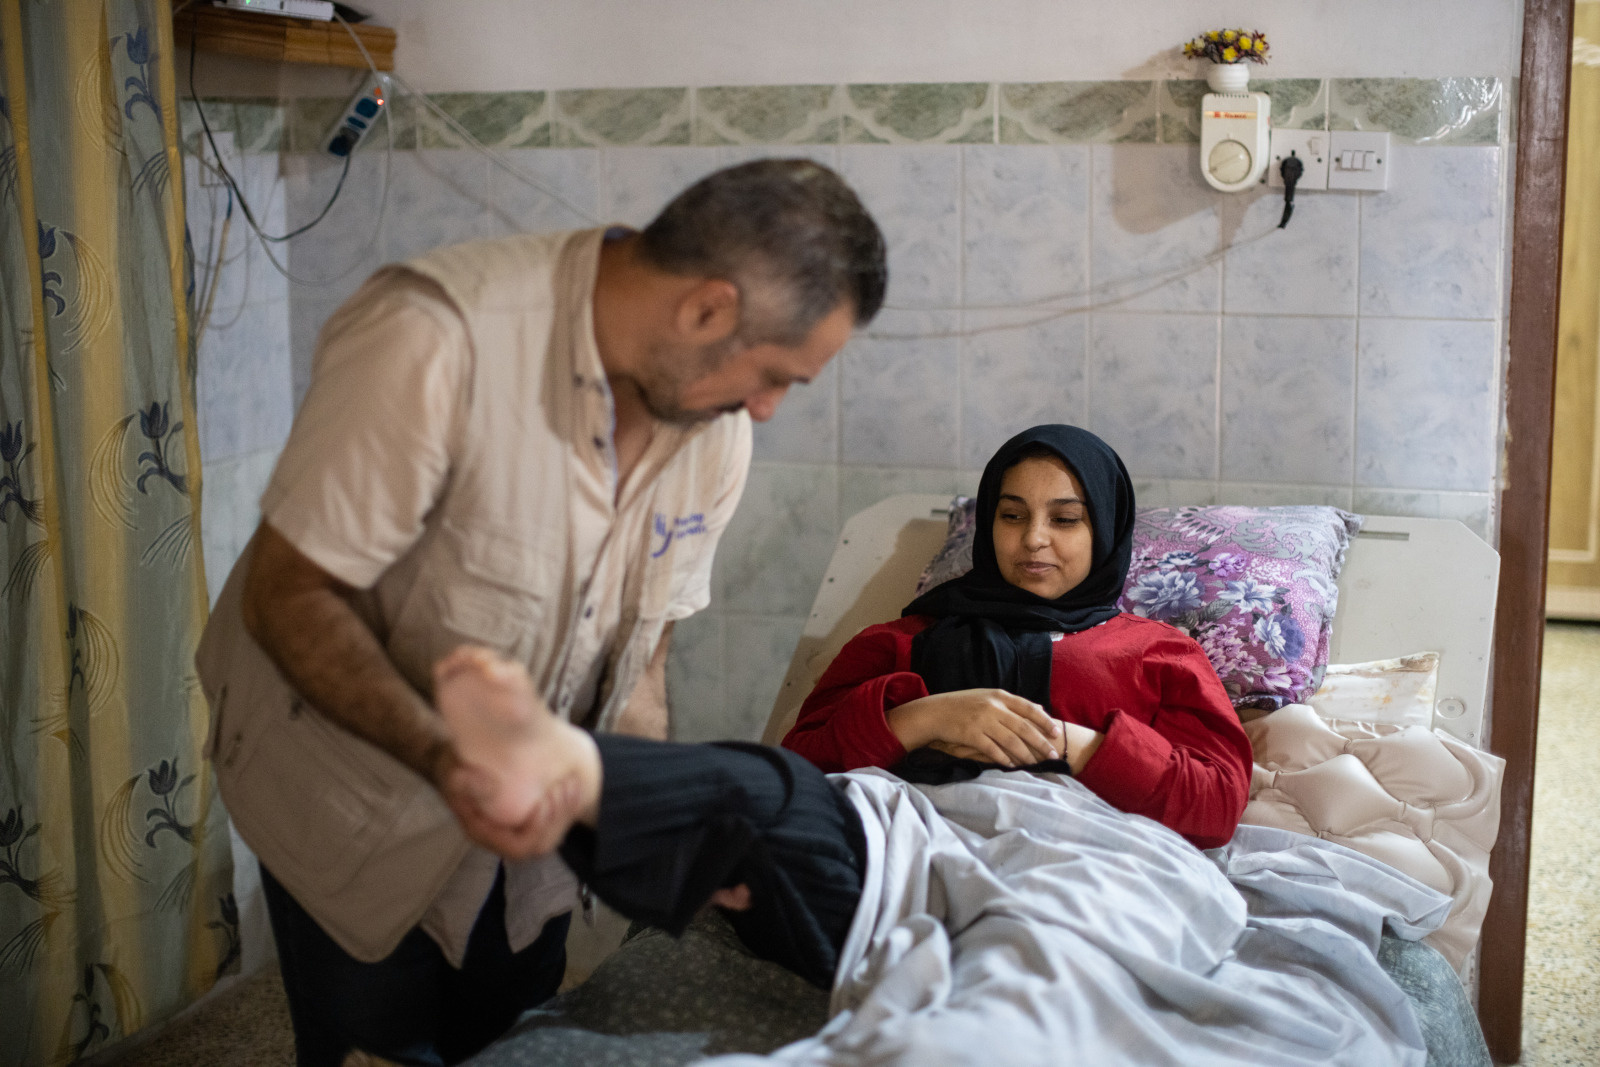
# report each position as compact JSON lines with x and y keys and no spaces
{"x":1153,"y":392}
{"x":774,"y":551}
{"x":243,"y":393}
{"x":900,"y":385}
{"x":1288,"y":390}
{"x":333,"y":258}
{"x":1155,"y":223}
{"x":1265,"y":495}
{"x":758,"y":653}
{"x":695,"y":677}
{"x":1430,"y":244}
{"x":1025,"y":223}
{"x":306,"y":317}
{"x":1174,"y":492}
{"x":805,"y":428}
{"x":636,"y":183}
{"x":1307,"y":268}
{"x":1425,"y":415}
{"x":914,"y":193}
{"x":516,"y":205}
{"x":1017,"y":377}
{"x":439,"y":197}
{"x":230,"y":509}
{"x":1476,"y":510}
{"x":862,"y":487}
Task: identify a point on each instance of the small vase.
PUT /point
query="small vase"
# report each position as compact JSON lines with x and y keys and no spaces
{"x":1228,"y":78}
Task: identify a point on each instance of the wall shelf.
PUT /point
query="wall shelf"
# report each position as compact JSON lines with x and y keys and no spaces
{"x":286,"y":40}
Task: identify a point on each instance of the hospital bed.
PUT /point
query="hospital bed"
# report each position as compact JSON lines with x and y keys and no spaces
{"x":1408,"y":585}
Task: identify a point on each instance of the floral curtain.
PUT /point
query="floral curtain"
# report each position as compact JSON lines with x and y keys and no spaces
{"x":115,"y":879}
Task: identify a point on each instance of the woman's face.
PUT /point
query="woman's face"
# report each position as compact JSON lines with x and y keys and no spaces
{"x":1042,"y":538}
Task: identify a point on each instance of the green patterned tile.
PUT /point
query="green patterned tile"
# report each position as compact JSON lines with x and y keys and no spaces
{"x":256,"y":123}
{"x":1433,"y":111}
{"x":1297,"y":103}
{"x":308,"y":119}
{"x":499,"y":120}
{"x":926,"y":113}
{"x":600,"y":117}
{"x":766,"y":114}
{"x":1179,"y":103}
{"x":1075,"y":112}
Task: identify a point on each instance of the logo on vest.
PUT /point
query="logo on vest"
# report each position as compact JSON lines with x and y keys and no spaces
{"x":682,"y":526}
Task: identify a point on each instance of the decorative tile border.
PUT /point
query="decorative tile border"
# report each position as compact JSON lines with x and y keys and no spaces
{"x":499,"y":120}
{"x":1077,"y":112}
{"x":769,"y":114}
{"x":1430,"y":111}
{"x":256,"y":123}
{"x":599,"y":118}
{"x":1421,"y":111}
{"x":929,"y":113}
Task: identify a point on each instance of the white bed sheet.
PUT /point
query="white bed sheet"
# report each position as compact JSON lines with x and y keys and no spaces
{"x":1019,"y":919}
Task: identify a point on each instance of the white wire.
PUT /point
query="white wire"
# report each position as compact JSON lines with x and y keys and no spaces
{"x":493,"y":156}
{"x":1157,"y":280}
{"x":1049,"y":304}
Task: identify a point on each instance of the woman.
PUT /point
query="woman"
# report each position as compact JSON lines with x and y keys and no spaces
{"x":1026,"y":659}
{"x":962,"y":683}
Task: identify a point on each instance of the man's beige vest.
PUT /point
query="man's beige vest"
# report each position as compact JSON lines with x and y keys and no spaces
{"x":363,"y":843}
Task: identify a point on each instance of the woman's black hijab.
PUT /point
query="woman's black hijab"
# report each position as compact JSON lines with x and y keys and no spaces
{"x":992,"y":634}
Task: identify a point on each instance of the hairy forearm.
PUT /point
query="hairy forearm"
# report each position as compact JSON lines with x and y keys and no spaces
{"x":646,"y":713}
{"x":303,"y":620}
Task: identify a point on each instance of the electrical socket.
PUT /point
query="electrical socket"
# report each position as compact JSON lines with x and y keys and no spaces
{"x":1311,"y":146}
{"x":210,"y":176}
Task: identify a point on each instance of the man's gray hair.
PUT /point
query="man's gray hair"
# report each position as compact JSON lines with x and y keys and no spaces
{"x":789,"y":233}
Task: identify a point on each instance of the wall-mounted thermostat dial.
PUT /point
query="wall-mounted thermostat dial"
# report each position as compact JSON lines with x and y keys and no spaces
{"x":1234,"y":139}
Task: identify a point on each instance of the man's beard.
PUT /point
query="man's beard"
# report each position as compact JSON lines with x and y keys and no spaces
{"x":672,"y":372}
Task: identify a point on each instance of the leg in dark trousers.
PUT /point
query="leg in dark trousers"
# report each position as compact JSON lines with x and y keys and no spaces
{"x":677,"y":822}
{"x":411,"y":1007}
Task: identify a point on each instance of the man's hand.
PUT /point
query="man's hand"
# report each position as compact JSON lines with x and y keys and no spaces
{"x":1000,"y":727}
{"x":466,"y":789}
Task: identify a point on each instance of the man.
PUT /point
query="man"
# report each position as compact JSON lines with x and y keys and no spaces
{"x":531,"y":444}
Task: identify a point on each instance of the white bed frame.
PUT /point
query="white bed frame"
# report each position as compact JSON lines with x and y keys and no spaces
{"x":1409,"y":585}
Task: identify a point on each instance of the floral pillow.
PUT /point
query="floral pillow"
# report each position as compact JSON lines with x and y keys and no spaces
{"x":1254,"y":586}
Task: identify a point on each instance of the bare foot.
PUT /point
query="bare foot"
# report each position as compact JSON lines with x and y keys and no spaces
{"x":528,"y":770}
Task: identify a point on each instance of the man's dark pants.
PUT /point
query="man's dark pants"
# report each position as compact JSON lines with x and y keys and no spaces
{"x":411,"y":1007}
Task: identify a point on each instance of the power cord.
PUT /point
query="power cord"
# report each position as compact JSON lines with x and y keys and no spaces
{"x":222,"y":169}
{"x":1291,"y":168}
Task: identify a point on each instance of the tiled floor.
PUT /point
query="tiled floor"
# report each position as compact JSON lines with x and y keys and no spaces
{"x":248,"y":1025}
{"x":1561,"y":995}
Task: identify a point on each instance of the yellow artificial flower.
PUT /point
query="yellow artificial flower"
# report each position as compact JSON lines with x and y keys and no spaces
{"x":1212,"y":35}
{"x":1246,"y":43}
{"x":1228,"y":35}
{"x":1229,"y":55}
{"x":1261,"y":44}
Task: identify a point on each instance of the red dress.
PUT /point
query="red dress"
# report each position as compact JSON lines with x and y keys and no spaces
{"x":1173,"y":751}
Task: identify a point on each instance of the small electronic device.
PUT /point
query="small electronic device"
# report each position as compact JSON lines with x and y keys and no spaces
{"x":359,"y":116}
{"x":321,"y":10}
{"x":1234,"y":130}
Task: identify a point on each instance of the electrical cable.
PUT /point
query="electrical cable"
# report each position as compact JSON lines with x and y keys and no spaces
{"x":222,"y":168}
{"x":1291,"y":168}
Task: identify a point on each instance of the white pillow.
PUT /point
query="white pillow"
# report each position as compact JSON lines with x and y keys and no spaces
{"x":1398,"y":692}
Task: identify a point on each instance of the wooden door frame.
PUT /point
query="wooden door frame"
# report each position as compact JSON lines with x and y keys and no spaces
{"x":1525,"y":501}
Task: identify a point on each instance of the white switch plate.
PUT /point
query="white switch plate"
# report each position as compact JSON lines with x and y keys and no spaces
{"x":1311,"y":146}
{"x":1369,"y":152}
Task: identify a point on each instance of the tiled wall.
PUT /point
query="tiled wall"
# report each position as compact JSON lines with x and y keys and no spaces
{"x":1353,"y":358}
